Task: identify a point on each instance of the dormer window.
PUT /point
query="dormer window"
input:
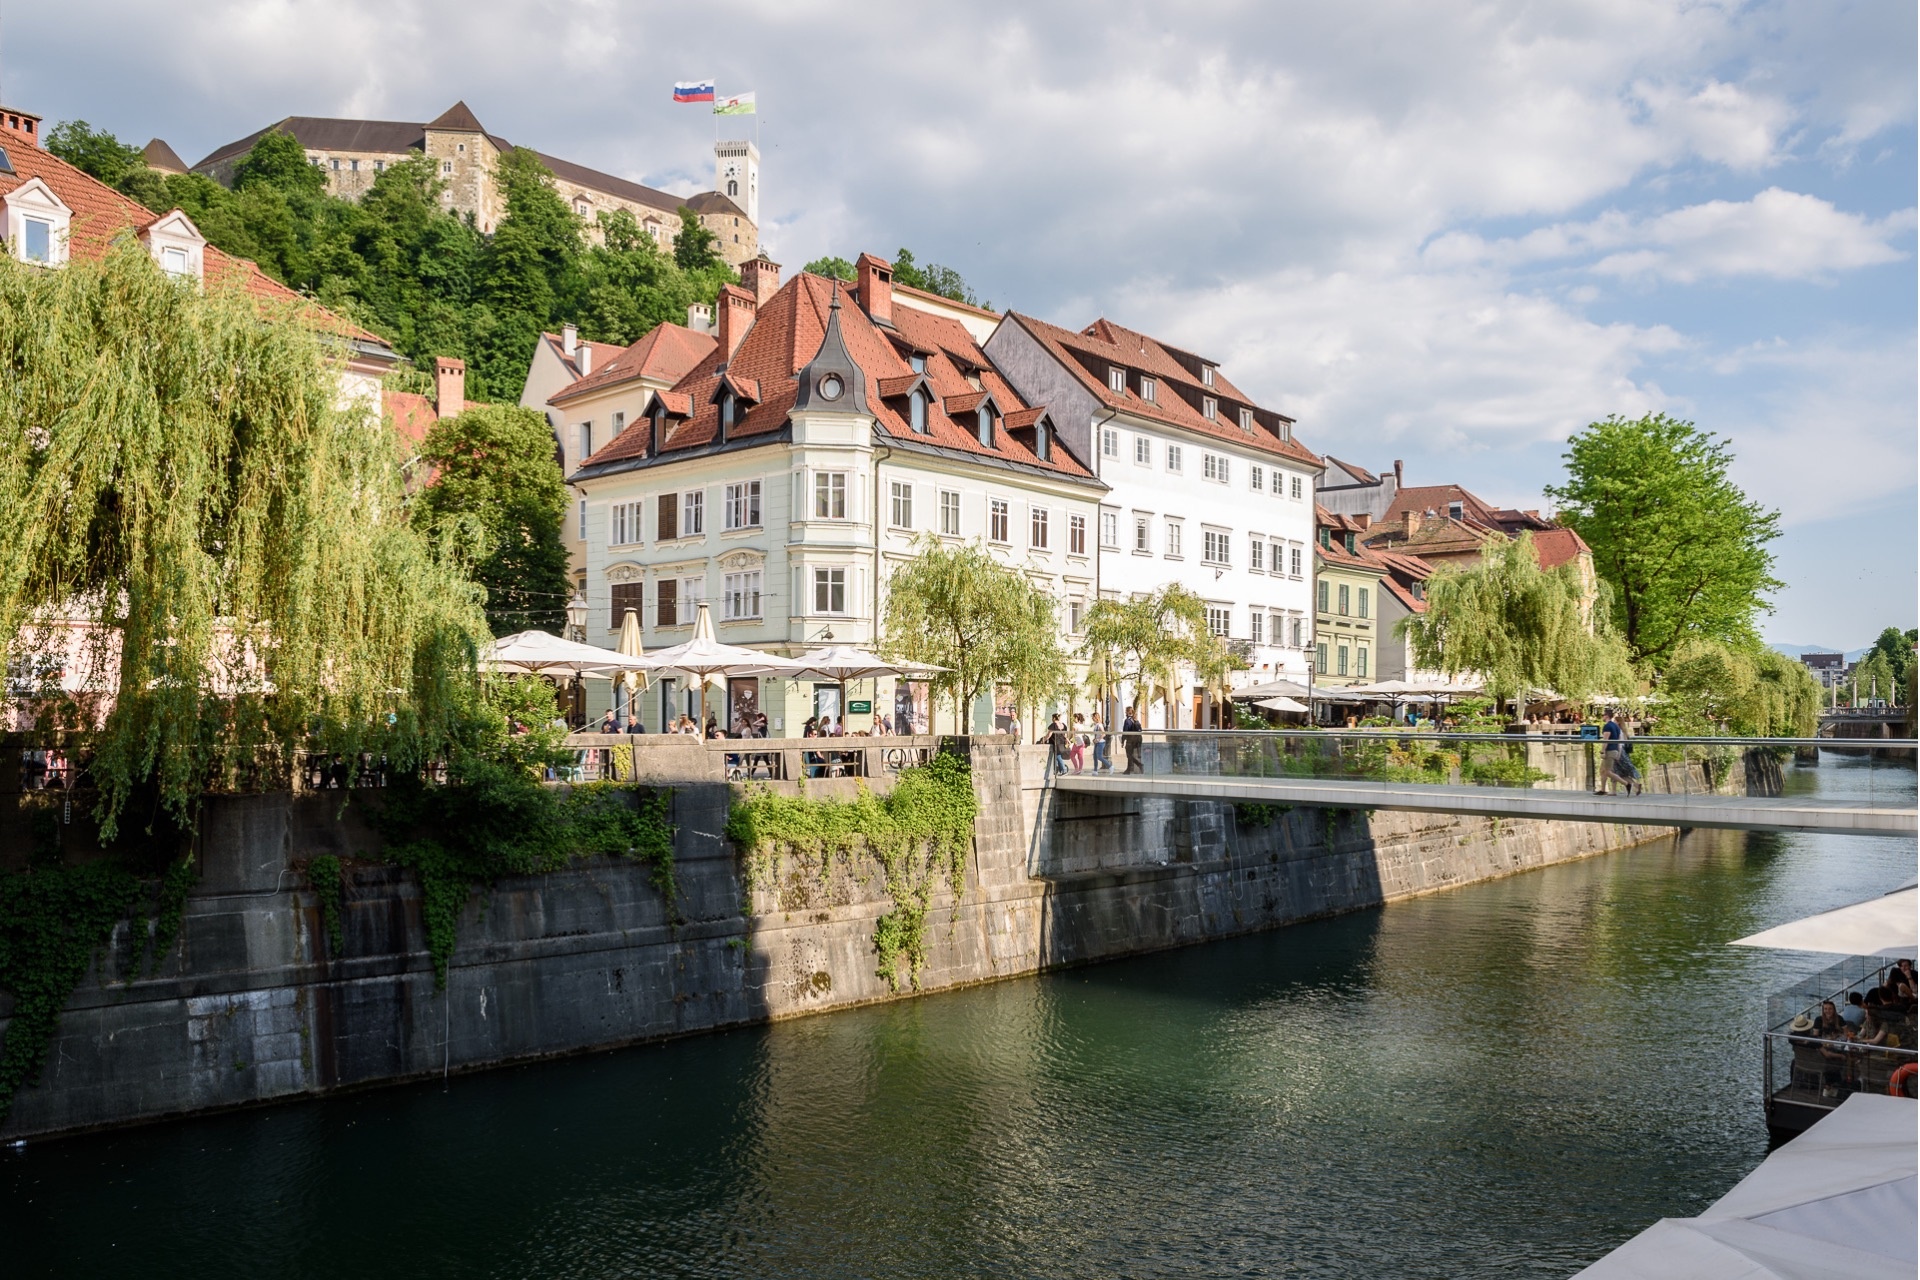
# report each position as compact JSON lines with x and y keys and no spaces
{"x":917,"y":412}
{"x":984,"y":426}
{"x":1286,"y":430}
{"x":726,"y":414}
{"x":1043,"y":440}
{"x":1146,"y":389}
{"x":36,"y":223}
{"x":173,"y":261}
{"x":1456,"y":511}
{"x":1117,"y":381}
{"x":1210,"y":407}
{"x":176,"y":245}
{"x":1246,"y":420}
{"x":1206,"y":375}
{"x":917,"y":362}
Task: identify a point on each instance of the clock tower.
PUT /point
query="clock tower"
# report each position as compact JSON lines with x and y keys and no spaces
{"x":736,"y":175}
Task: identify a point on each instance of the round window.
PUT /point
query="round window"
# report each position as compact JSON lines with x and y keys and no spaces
{"x":831,"y":386}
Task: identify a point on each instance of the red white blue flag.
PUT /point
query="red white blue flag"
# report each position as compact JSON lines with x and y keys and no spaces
{"x":693,"y":90}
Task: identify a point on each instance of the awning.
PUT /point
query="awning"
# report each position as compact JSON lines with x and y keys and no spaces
{"x":1838,"y":1201}
{"x":1883,"y":926}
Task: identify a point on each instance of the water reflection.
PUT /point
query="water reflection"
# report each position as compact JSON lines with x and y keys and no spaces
{"x":1502,"y":1080}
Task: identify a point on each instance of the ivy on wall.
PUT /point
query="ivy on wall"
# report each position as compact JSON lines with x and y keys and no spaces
{"x":918,"y":833}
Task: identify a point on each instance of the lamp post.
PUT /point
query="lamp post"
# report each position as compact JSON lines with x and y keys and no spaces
{"x":576,"y":630}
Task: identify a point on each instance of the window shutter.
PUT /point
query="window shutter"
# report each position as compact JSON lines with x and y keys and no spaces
{"x":669,"y":522}
{"x":667,"y":598}
{"x":627,"y":595}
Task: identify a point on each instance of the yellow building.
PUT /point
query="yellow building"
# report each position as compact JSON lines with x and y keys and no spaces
{"x":1346,"y":602}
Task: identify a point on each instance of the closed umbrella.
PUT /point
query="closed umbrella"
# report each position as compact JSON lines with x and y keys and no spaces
{"x":631,"y":646}
{"x":704,"y":657}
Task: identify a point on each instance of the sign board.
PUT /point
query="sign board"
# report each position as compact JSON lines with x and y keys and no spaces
{"x":856,"y":707}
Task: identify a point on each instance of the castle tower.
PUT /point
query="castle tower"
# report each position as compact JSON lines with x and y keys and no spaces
{"x":736,"y":175}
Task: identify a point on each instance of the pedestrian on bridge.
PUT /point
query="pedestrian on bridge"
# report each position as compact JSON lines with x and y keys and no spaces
{"x":1617,"y":765}
{"x":1130,"y":740}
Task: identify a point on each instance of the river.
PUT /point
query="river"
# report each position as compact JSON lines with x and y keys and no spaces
{"x":1507,"y":1079}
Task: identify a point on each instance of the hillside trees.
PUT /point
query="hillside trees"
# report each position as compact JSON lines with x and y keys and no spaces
{"x":932,"y":278}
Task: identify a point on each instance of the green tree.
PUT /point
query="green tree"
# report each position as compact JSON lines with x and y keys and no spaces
{"x":933,"y":278}
{"x":1518,"y":626}
{"x":1710,"y":687}
{"x":1683,"y":548}
{"x":693,"y":248}
{"x":1896,"y":649}
{"x":1148,"y":640}
{"x":496,"y":476}
{"x":959,"y":608}
{"x":277,"y":159}
{"x":832,"y":269}
{"x":94,"y":150}
{"x":225,"y":528}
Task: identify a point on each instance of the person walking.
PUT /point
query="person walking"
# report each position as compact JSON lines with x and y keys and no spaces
{"x":1056,"y":740}
{"x":1130,"y":741}
{"x":1102,"y":749}
{"x":1078,"y":748}
{"x":1618,"y":766}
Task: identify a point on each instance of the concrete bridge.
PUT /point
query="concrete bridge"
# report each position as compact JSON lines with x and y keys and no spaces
{"x":1865,"y":722}
{"x":1690,"y":790}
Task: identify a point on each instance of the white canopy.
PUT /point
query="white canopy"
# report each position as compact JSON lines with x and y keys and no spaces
{"x":844,"y":662}
{"x":1838,"y":1201}
{"x":1883,"y":926}
{"x":1272,"y":689}
{"x":705,"y":656}
{"x":1281,"y":704}
{"x":538,"y":653}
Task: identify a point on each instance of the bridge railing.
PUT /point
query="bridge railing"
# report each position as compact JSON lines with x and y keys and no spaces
{"x":1661,"y":765}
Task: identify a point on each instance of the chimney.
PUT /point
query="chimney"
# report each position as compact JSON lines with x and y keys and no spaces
{"x":761,"y":277}
{"x":875,"y":288}
{"x":1364,"y":520}
{"x":583,"y":357}
{"x":1411,"y":522}
{"x":22,"y":125}
{"x":1398,"y":483}
{"x":700,"y":317}
{"x":737,"y":309}
{"x":449,"y":385}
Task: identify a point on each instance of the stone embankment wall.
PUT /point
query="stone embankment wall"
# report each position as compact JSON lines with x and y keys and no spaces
{"x":252,"y":1004}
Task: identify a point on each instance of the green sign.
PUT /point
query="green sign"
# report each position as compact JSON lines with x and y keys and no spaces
{"x":859,"y":708}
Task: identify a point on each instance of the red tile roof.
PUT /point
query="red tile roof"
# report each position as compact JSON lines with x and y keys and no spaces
{"x":665,"y":353}
{"x":101,"y":215}
{"x":1555,"y":547}
{"x":1102,"y":344}
{"x":787,"y":333}
{"x":414,"y":414}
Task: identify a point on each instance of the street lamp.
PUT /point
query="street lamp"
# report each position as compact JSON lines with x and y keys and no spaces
{"x":577,"y":616}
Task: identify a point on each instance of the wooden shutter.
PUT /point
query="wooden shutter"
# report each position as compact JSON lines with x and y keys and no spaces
{"x":669,"y":523}
{"x":627,"y":595}
{"x":667,"y":597}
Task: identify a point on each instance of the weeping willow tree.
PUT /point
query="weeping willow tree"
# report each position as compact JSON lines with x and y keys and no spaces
{"x":1710,"y":688}
{"x":1519,"y":627}
{"x":1147,"y":641}
{"x":207,"y":533}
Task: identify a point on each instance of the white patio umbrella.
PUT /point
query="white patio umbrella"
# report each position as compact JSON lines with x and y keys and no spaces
{"x":1281,"y":704}
{"x":704,"y":657}
{"x":1272,"y":689}
{"x":1883,"y":926}
{"x":843,"y":662}
{"x":538,"y":653}
{"x":630,"y":644}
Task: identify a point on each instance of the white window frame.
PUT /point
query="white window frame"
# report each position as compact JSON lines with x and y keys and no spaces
{"x":741,"y":594}
{"x":1206,"y":374}
{"x":1116,"y":380}
{"x":1076,"y":535}
{"x":693,"y":513}
{"x":1142,"y":533}
{"x":1293,"y":560}
{"x":1209,"y":408}
{"x":1296,"y":487}
{"x":1176,"y":539}
{"x":1256,"y":554}
{"x":1142,"y":451}
{"x":999,"y":521}
{"x":1217,"y":467}
{"x":1279,"y":483}
{"x":1039,"y":528}
{"x":1110,"y":529}
{"x":1109,"y":442}
{"x":743,"y":505}
{"x":900,"y":504}
{"x":1246,"y":420}
{"x":624,"y":523}
{"x":586,"y":440}
{"x":1256,"y":627}
{"x":1076,"y":616}
{"x":1220,"y":620}
{"x":950,"y":513}
{"x":583,"y":519}
{"x":1258,"y":477}
{"x":828,"y":582}
{"x":1175,"y":459}
{"x":1216,"y":547}
{"x":830,"y":495}
{"x":1148,"y":389}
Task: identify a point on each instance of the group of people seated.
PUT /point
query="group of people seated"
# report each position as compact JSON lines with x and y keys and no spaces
{"x":1840,"y":1048}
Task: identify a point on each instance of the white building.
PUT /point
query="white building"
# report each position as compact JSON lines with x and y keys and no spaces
{"x":783,"y":477}
{"x":1206,"y":488}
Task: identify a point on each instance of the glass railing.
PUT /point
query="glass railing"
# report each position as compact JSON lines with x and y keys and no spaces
{"x":1820,"y":1065}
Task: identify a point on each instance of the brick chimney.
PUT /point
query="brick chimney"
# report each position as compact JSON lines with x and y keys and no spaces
{"x":449,"y":385}
{"x":569,"y":340}
{"x":583,"y":358}
{"x":20,"y":126}
{"x":875,"y":288}
{"x":737,"y":309}
{"x":761,"y":277}
{"x":1411,"y":522}
{"x":1398,"y":482}
{"x":1364,"y":520}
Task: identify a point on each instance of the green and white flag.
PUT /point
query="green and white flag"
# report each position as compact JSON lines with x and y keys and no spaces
{"x":739,"y":104}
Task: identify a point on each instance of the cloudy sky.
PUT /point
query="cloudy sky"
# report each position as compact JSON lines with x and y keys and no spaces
{"x":1449,"y":233}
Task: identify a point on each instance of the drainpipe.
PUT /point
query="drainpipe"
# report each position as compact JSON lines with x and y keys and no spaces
{"x":879,"y":456}
{"x":1099,"y":461}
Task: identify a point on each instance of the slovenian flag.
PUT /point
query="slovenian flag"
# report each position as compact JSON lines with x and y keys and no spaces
{"x":693,"y":90}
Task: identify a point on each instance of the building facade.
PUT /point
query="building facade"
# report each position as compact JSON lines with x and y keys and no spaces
{"x":1205,"y":488}
{"x":1346,"y":603}
{"x":353,"y":153}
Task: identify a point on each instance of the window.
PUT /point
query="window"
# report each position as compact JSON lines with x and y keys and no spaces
{"x":1258,"y":479}
{"x":667,"y":518}
{"x":1341,"y":658}
{"x":829,"y":590}
{"x":1076,"y":616}
{"x":1216,"y":467}
{"x":583,"y":519}
{"x":1257,"y":555}
{"x":1117,"y":381}
{"x":1296,"y":486}
{"x":830,"y":495}
{"x":997,"y":521}
{"x":950,"y":513}
{"x":1279,"y":483}
{"x":626,"y":595}
{"x":379,"y":166}
{"x":1037,"y":528}
{"x":1295,"y":561}
{"x":37,"y":242}
{"x":173,"y":261}
{"x":1110,"y":529}
{"x":917,"y":412}
{"x":1219,"y":620}
{"x":1254,"y":626}
{"x":1286,"y":429}
{"x":1076,"y":535}
{"x":743,"y":505}
{"x":983,"y":430}
{"x":1322,"y":602}
{"x":1174,"y":461}
{"x":693,"y":513}
{"x":1143,"y":451}
{"x":727,"y":403}
{"x":742,"y":595}
{"x":1176,"y":537}
{"x":917,"y":362}
{"x":623,"y":524}
{"x":1217,"y":545}
{"x":1455,"y":511}
{"x":586,"y":441}
{"x":354,"y":165}
{"x":1209,"y":408}
{"x":1344,"y":611}
{"x":1320,"y":657}
{"x":1146,"y":389}
{"x":1360,"y":661}
{"x":1109,"y":443}
{"x":1364,"y":593}
{"x":1143,"y":534}
{"x":1206,"y":374}
{"x":901,"y":493}
{"x":1246,"y":420}
{"x":336,"y":164}
{"x":667,"y":603}
{"x":619,"y":425}
{"x":446,"y":166}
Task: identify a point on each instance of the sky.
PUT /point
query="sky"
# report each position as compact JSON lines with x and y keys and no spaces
{"x":1446,"y":233}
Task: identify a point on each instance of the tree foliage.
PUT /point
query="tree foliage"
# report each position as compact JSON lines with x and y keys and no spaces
{"x":1149,"y":640}
{"x":932,"y":278}
{"x":1709,"y":688}
{"x":405,"y":266}
{"x":832,"y":269}
{"x":1682,"y":547}
{"x":219,"y":530}
{"x":1518,"y":626}
{"x":957,"y":607}
{"x":496,"y":482}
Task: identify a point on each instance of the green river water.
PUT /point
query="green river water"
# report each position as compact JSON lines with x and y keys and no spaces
{"x":1503,"y":1080}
